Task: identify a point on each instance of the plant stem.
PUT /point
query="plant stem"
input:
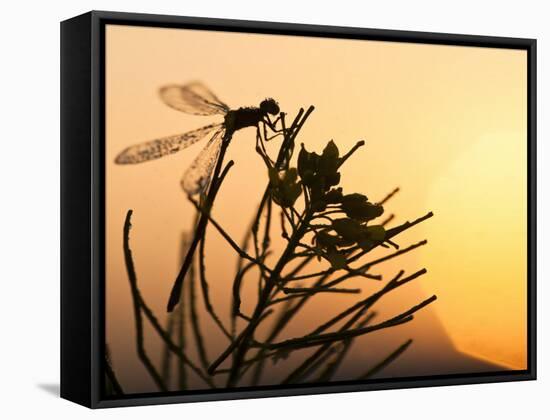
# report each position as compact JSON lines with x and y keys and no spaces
{"x":263,"y":302}
{"x":240,"y":344}
{"x":309,"y":341}
{"x":136,"y":299}
{"x":140,"y":305}
{"x":226,"y":236}
{"x":389,"y":196}
{"x":167,"y":354}
{"x":182,"y":374}
{"x":110,"y":373}
{"x":205,"y":293}
{"x":201,"y":226}
{"x":195,"y":323}
{"x":394,"y":355}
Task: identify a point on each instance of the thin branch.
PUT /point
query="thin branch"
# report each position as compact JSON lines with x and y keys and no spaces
{"x":182,"y":371}
{"x":395,"y":254}
{"x":332,"y":367}
{"x":304,"y":342}
{"x":136,"y":299}
{"x":226,"y":236}
{"x":140,"y":305}
{"x":304,"y":367}
{"x":111,"y":376}
{"x":387,"y":220}
{"x":351,"y":152}
{"x":236,"y":283}
{"x":299,"y":267}
{"x":201,"y":225}
{"x":290,"y":220}
{"x":390,"y":233}
{"x":284,"y":233}
{"x":286,"y":316}
{"x":235,"y":311}
{"x":389,"y":196}
{"x":351,"y":272}
{"x":388,"y":360}
{"x":252,"y":324}
{"x":314,"y":362}
{"x":205,"y":290}
{"x":309,"y":365}
{"x":167,"y":354}
{"x":309,"y":341}
{"x":371,"y":300}
{"x":290,"y":290}
{"x":370,"y":264}
{"x":195,"y":323}
{"x":244,"y":338}
{"x":295,"y":295}
{"x":282,"y":160}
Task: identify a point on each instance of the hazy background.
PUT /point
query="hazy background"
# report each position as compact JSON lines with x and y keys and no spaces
{"x":446,"y":124}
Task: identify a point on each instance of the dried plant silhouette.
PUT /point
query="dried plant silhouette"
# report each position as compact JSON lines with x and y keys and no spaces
{"x":194,"y":98}
{"x":317,"y":219}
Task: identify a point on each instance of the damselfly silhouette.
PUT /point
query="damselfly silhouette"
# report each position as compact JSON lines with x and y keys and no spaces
{"x":194,"y":98}
{"x":199,"y":178}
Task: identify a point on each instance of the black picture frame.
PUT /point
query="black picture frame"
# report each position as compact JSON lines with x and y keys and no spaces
{"x":83,"y":199}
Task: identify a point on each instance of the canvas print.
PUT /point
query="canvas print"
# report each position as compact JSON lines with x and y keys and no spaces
{"x":287,"y":210}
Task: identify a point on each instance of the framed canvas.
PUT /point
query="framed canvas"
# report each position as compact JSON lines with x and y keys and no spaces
{"x":255,"y":209}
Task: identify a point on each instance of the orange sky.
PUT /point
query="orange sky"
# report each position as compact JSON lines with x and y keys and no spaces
{"x":446,"y":124}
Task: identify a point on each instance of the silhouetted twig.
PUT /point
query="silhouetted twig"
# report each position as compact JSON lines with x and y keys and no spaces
{"x":140,"y":305}
{"x":201,"y":226}
{"x":110,"y":375}
{"x":381,"y":365}
{"x":309,"y":341}
{"x":167,"y":354}
{"x":226,"y":236}
{"x":372,"y":299}
{"x":205,"y":291}
{"x":389,"y":196}
{"x":195,"y":323}
{"x":332,"y":367}
{"x":137,"y":307}
{"x":182,"y":373}
{"x":309,"y":365}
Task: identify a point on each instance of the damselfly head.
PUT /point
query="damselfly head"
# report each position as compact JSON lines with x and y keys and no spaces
{"x":270,"y":106}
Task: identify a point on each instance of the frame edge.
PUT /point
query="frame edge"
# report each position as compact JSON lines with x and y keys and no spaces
{"x":76,"y":226}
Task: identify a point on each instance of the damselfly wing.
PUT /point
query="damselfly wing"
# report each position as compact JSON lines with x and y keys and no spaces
{"x":164,"y":146}
{"x":194,"y":99}
{"x":197,"y":177}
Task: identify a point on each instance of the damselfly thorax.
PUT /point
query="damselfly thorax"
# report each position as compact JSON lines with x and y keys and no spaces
{"x":250,"y":116}
{"x":196,"y":99}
